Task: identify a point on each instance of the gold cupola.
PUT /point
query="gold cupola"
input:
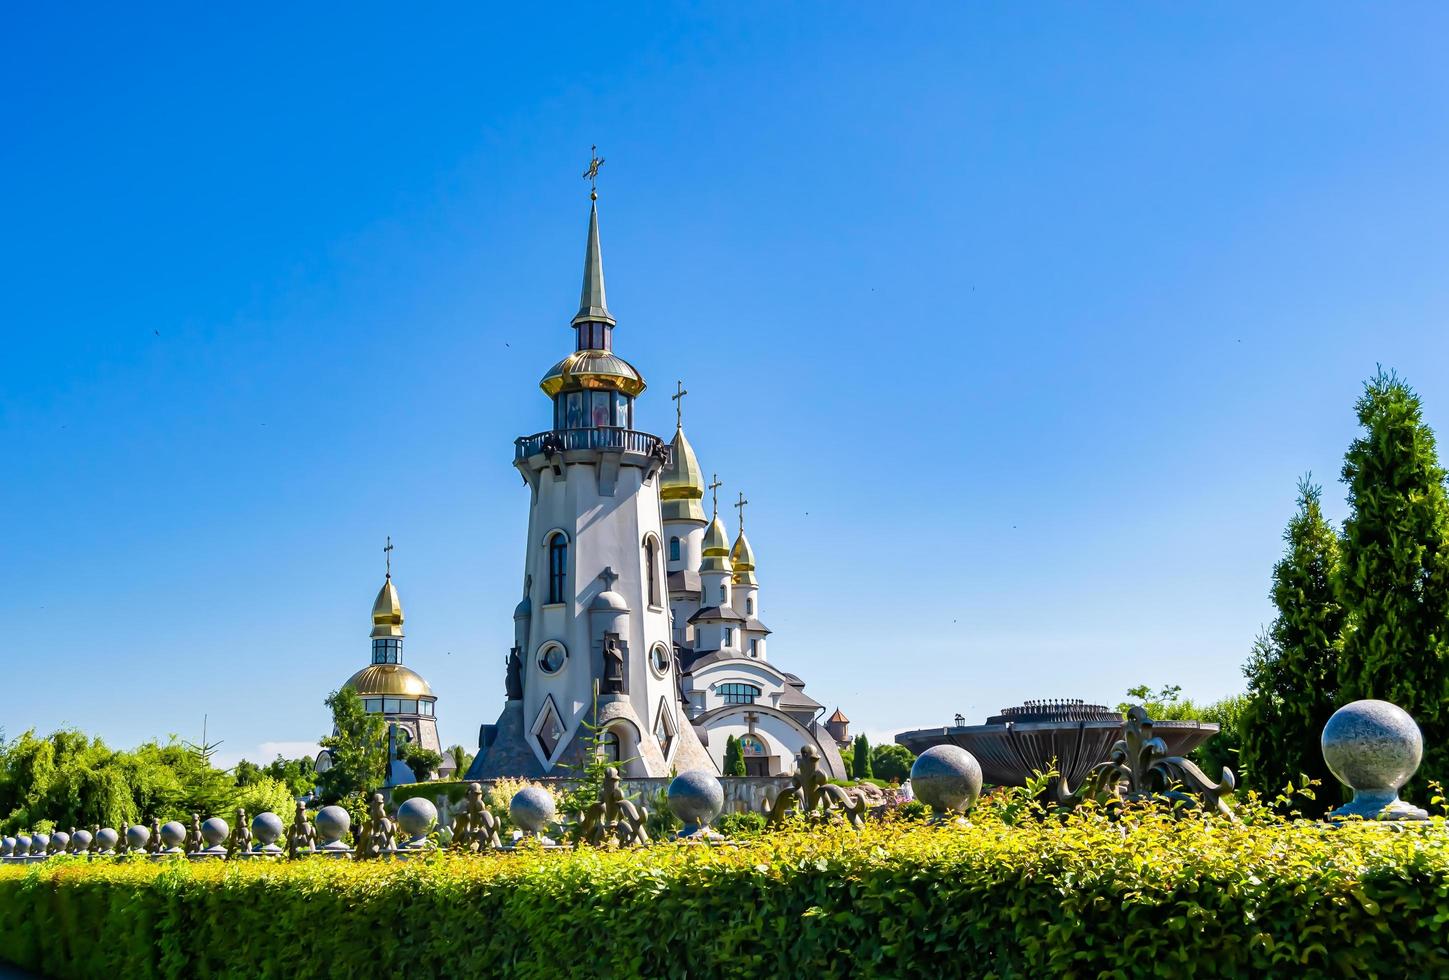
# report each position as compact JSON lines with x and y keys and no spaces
{"x":742,"y":556}
{"x":716,"y":548}
{"x":387,"y":612}
{"x":681,"y":485}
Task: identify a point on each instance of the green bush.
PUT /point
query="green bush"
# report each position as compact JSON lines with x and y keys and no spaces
{"x":1147,"y":896}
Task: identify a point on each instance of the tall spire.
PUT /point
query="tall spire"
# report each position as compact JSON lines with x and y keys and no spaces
{"x":592,"y":307}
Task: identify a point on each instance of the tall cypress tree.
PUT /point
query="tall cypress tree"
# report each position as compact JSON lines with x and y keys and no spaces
{"x":861,"y":768}
{"x":1293,"y":673}
{"x":1395,"y":571}
{"x":734,"y":757}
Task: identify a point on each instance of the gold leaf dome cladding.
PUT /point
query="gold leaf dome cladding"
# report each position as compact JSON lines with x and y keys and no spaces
{"x":592,"y":369}
{"x":390,"y":680}
{"x":716,"y":548}
{"x":681,"y":485}
{"x":742,"y":556}
{"x":387,"y":612}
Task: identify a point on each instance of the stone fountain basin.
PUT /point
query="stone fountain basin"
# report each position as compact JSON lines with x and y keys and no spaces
{"x":1009,"y":752}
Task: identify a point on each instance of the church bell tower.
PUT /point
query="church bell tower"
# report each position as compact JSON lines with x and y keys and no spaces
{"x":592,"y":632}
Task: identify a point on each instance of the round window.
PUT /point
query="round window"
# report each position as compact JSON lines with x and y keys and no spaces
{"x":551,"y":658}
{"x":659,"y":660}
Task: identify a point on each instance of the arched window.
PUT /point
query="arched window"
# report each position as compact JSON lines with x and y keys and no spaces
{"x":609,"y":746}
{"x":735,"y":693}
{"x":558,"y":564}
{"x":674,"y":549}
{"x":724,"y":594}
{"x":651,"y":561}
{"x":755,"y":648}
{"x":750,"y":606}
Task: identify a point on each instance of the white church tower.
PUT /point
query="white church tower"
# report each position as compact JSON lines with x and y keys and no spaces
{"x":594,"y":626}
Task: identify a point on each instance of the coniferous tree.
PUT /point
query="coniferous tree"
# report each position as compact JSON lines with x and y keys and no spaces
{"x":734,"y":757}
{"x":862,"y":768}
{"x":1293,"y":673}
{"x":1394,"y":582}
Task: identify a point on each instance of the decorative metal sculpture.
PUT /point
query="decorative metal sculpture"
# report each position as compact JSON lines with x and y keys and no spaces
{"x":613,"y":817}
{"x":513,"y":680}
{"x":613,"y":666}
{"x":811,"y":791}
{"x":476,"y":828}
{"x":302,"y":838}
{"x":378,"y":835}
{"x":241,"y":835}
{"x":1139,"y":768}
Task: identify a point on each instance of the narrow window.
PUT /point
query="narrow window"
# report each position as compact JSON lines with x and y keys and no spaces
{"x":724,"y":594}
{"x":729,"y":637}
{"x":558,"y":560}
{"x":674,"y":549}
{"x":651,"y":560}
{"x":750,"y":606}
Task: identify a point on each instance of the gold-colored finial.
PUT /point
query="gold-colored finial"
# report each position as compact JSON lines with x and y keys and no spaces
{"x":592,"y":174}
{"x":713,"y":488}
{"x":387,"y":553}
{"x":678,"y":399}
{"x":740,"y":506}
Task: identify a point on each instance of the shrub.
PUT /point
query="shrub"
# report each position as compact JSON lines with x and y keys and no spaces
{"x":1088,"y":897}
{"x":746,"y":823}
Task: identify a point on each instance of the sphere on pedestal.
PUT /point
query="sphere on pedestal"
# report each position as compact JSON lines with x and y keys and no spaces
{"x":173,"y":834}
{"x":332,"y":824}
{"x":136,"y":836}
{"x":417,"y":816}
{"x":7,"y":846}
{"x":59,"y":842}
{"x":531,"y":809}
{"x":39,"y":843}
{"x":946,"y":778}
{"x":22,"y":845}
{"x":266,"y":828}
{"x":1374,"y":748}
{"x":214,"y":831}
{"x":696,"y":797}
{"x":81,"y":840}
{"x":107,"y":839}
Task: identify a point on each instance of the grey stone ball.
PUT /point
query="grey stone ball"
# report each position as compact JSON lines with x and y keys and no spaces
{"x":173,"y":834}
{"x":1372,"y":745}
{"x":136,"y":836}
{"x":59,"y":841}
{"x":267,"y":827}
{"x":531,"y":809}
{"x":417,"y":816}
{"x":332,"y":823}
{"x":696,"y":797}
{"x":7,"y":846}
{"x":214,"y":830}
{"x":82,"y":839}
{"x":22,"y":845}
{"x":946,"y":778}
{"x":107,"y":838}
{"x":39,"y":843}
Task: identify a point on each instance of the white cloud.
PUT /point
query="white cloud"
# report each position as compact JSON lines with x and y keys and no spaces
{"x":266,"y":752}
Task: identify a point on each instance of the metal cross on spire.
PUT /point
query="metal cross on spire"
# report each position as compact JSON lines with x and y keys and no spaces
{"x":740,"y":506}
{"x":592,"y":174}
{"x":678,"y":399}
{"x":387,"y":553}
{"x":714,"y":489}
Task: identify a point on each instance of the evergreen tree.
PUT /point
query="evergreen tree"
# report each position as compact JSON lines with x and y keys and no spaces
{"x":1395,"y":568}
{"x":1293,"y":673}
{"x":734,"y":757}
{"x":861,"y":769}
{"x":358,"y":746}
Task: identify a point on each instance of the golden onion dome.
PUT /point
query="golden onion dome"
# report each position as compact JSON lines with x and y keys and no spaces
{"x":387,"y":612}
{"x":716,"y":548}
{"x":742,"y":556}
{"x":390,"y":680}
{"x":681,"y":485}
{"x":592,"y":369}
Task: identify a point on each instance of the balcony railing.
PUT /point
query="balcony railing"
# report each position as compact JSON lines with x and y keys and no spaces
{"x":619,"y":440}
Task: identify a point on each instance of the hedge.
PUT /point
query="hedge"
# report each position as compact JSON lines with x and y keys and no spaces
{"x":1089,"y":898}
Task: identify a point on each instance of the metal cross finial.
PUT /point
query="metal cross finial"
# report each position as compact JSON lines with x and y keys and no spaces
{"x":592,"y":174}
{"x":714,"y":489}
{"x":740,"y":506}
{"x":678,"y":399}
{"x":387,"y":553}
{"x":608,"y":576}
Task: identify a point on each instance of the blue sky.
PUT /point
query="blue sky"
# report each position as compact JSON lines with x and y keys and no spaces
{"x":1017,"y":324}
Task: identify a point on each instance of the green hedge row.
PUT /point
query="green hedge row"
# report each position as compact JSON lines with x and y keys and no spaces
{"x":987,"y":899}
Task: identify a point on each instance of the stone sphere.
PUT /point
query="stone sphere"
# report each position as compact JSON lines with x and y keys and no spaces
{"x":82,"y":839}
{"x":22,"y":845}
{"x":332,"y":823}
{"x":267,"y":827}
{"x":59,"y":841}
{"x":172,"y":833}
{"x":696,"y":797}
{"x":107,"y":838}
{"x":7,"y":846}
{"x":39,"y":843}
{"x":946,"y":778}
{"x":214,"y":830}
{"x":136,"y":836}
{"x":1372,"y":745}
{"x":531,"y":809}
{"x":417,"y":816}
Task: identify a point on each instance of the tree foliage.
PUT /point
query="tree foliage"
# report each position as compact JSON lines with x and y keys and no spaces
{"x":860,"y":768}
{"x":891,"y":761}
{"x":1394,"y":580}
{"x":462,"y":759}
{"x":734,"y":757}
{"x":358,"y":746}
{"x":423,"y":762}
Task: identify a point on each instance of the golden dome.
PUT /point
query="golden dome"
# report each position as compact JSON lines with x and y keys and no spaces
{"x":391,"y":680}
{"x":743,"y":558}
{"x":716,"y":548}
{"x":681,"y":486}
{"x":387,"y":613}
{"x":592,"y":369}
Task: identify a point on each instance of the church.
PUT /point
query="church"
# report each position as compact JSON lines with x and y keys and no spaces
{"x":639,"y":628}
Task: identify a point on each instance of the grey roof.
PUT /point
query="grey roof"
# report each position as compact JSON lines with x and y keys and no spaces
{"x":591,"y":298}
{"x":709,"y":613}
{"x":794,"y":697}
{"x":754,"y":624}
{"x":686,"y":580}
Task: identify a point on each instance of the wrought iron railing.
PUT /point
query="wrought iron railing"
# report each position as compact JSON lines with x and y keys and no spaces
{"x":613,"y":438}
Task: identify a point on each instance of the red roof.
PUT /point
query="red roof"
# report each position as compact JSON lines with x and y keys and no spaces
{"x":837,"y":718}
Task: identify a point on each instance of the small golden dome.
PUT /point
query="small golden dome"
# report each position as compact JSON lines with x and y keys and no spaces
{"x":681,"y":485}
{"x":742,"y":556}
{"x":391,"y":680}
{"x":716,"y":548}
{"x":592,"y":369}
{"x":387,"y":612}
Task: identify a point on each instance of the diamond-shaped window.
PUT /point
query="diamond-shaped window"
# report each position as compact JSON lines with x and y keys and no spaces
{"x":664,"y":729}
{"x":548,"y":730}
